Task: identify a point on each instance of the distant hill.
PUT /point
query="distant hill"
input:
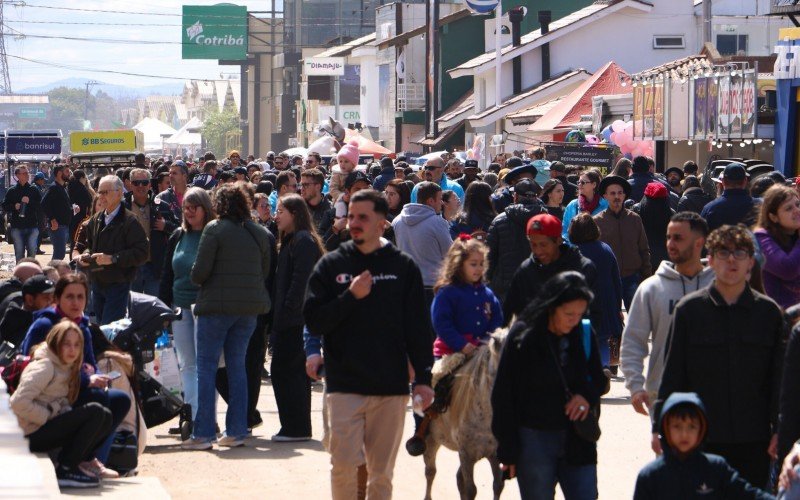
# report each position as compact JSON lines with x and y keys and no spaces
{"x":116,"y":91}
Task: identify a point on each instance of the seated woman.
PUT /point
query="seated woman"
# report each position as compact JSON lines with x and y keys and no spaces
{"x":70,"y":299}
{"x":45,"y":406}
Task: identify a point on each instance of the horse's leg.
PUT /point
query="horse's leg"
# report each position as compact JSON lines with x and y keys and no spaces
{"x":429,"y":457}
{"x":468,"y":489}
{"x":497,"y":474}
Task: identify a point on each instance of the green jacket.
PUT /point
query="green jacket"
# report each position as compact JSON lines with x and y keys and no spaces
{"x":232,"y":266}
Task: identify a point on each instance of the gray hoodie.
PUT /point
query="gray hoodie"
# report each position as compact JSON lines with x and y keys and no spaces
{"x":651,"y":313}
{"x":424,"y":235}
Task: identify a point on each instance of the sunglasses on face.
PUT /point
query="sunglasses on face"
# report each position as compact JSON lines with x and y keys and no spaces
{"x":141,"y":182}
{"x":431,"y":167}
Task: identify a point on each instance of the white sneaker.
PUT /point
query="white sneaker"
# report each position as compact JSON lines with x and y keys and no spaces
{"x":230,"y":441}
{"x":197,"y":444}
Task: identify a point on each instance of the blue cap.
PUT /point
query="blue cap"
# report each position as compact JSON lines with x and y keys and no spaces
{"x":39,"y":176}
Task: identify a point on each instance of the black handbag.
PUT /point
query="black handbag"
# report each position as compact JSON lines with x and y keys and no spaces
{"x":587,"y":429}
{"x":124,"y":455}
{"x":158,"y":404}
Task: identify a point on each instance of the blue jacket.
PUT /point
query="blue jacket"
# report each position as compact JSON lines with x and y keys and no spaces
{"x":43,"y":322}
{"x":446,"y":184}
{"x":696,"y":475}
{"x":383,"y":178}
{"x":639,"y":182}
{"x":572,"y":210}
{"x":731,"y":207}
{"x":463,"y":313}
{"x":424,"y":235}
{"x":607,"y":288}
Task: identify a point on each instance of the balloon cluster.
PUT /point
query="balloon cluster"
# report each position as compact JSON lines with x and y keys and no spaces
{"x":620,"y":134}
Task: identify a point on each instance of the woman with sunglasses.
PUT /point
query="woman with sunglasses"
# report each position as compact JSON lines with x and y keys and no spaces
{"x":589,"y":200}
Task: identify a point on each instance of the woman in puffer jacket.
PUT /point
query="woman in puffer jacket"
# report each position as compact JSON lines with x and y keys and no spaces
{"x":43,"y":400}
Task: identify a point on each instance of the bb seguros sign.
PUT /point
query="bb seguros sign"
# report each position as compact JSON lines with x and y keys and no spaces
{"x":107,"y":141}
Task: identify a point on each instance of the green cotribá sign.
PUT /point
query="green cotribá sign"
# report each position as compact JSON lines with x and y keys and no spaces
{"x":214,"y":32}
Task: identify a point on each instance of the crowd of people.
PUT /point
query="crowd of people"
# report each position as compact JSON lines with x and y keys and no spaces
{"x":364,"y":276}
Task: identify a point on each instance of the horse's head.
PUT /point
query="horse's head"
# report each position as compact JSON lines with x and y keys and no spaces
{"x":495,"y":348}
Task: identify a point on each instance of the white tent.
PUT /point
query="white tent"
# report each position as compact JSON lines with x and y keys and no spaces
{"x":154,"y":133}
{"x":188,"y":135}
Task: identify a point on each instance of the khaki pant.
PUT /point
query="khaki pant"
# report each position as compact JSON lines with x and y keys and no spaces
{"x":364,"y":429}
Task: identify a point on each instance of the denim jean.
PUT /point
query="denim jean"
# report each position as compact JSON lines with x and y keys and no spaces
{"x":25,"y":239}
{"x":59,"y":239}
{"x":542,"y":464}
{"x":110,"y":302}
{"x":629,"y":286}
{"x":146,"y":281}
{"x":184,"y":335}
{"x":218,"y":333}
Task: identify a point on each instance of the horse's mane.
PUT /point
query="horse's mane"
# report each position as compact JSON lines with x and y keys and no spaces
{"x":475,"y":378}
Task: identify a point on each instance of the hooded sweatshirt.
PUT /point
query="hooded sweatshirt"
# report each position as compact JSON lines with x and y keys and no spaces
{"x":694,"y":475}
{"x":650,"y":317}
{"x":424,"y":235}
{"x":369,"y":341}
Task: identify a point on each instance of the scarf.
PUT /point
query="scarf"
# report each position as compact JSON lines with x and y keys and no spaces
{"x":61,"y":313}
{"x":586,"y":206}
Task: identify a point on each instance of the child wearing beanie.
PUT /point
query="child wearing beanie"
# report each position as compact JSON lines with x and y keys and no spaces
{"x":346,"y":160}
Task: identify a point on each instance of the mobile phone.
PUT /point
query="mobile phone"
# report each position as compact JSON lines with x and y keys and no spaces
{"x":321,"y":371}
{"x":113,"y":375}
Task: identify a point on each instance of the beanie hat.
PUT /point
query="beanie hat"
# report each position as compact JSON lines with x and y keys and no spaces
{"x":545,"y":225}
{"x":655,"y":190}
{"x":386,"y":163}
{"x":349,"y":151}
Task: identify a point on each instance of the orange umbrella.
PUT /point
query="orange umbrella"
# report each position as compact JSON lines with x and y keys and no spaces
{"x":366,"y":146}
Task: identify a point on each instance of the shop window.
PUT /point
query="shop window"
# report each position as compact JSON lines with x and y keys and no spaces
{"x":668,"y":42}
{"x":732,"y":45}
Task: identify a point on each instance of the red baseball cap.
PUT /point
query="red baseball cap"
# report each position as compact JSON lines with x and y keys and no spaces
{"x":544,"y":224}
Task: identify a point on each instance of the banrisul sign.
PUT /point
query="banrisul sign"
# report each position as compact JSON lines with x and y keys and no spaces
{"x":214,"y":32}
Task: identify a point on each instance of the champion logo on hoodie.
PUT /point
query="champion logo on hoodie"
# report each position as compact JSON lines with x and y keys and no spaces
{"x":345,"y":278}
{"x":704,"y":489}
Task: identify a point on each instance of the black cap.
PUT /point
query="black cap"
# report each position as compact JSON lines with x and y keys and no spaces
{"x":38,"y":284}
{"x":517,"y":171}
{"x":514,"y":162}
{"x":471,"y":164}
{"x":240,"y":170}
{"x":734,"y":172}
{"x":355,"y":176}
{"x":386,"y":162}
{"x":525,"y":187}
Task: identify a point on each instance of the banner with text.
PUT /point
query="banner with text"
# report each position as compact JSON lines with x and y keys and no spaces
{"x":214,"y":32}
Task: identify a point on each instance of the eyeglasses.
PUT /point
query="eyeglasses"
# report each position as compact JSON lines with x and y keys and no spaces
{"x":141,"y":182}
{"x":189,"y":208}
{"x":306,"y":184}
{"x":738,"y":254}
{"x":311,"y":160}
{"x":236,"y":156}
{"x":104,"y":192}
{"x":581,"y":183}
{"x":431,"y":167}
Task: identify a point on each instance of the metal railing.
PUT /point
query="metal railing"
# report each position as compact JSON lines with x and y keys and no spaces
{"x":410,"y":96}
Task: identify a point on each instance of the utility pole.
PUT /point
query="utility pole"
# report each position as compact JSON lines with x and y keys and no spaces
{"x":89,"y":84}
{"x":5,"y":78}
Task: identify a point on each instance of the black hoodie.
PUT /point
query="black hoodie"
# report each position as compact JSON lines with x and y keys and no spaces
{"x":508,"y":244}
{"x":530,"y":277}
{"x":368,"y":342}
{"x":696,"y":475}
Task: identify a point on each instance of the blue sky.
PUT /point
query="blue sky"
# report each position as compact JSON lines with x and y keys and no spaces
{"x":77,"y":55}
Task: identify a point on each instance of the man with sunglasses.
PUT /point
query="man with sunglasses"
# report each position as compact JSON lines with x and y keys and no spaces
{"x":158,"y":222}
{"x":727,"y":346}
{"x":434,"y":172}
{"x":23,"y":202}
{"x":313,"y":160}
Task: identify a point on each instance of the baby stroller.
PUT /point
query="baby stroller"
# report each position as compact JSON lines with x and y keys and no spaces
{"x":148,"y":317}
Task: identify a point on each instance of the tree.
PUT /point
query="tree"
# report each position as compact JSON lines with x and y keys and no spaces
{"x":217,"y":125}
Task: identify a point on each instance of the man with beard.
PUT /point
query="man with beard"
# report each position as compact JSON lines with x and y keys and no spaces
{"x":434,"y":172}
{"x":650,"y":314}
{"x":57,"y":208}
{"x":623,"y":231}
{"x":674,"y":176}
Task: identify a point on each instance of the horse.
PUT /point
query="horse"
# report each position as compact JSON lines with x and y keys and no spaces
{"x":466,"y":426}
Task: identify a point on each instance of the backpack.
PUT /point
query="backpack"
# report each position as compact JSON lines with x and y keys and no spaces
{"x":12,"y":372}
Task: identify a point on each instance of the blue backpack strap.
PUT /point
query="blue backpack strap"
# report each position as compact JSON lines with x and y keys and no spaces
{"x":587,"y":336}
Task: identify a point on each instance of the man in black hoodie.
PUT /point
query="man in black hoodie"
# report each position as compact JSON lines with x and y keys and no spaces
{"x":549,"y":256}
{"x":37,"y":293}
{"x":507,"y":240}
{"x":366,"y":300}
